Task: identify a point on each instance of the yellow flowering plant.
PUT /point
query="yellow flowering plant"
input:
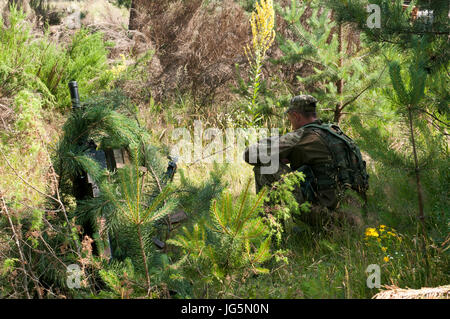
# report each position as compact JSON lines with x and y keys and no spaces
{"x":263,"y":34}
{"x":118,"y":69}
{"x":384,"y":239}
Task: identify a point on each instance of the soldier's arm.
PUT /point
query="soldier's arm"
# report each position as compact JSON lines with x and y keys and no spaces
{"x":275,"y":147}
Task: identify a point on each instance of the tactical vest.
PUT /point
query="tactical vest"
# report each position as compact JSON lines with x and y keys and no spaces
{"x":348,"y":169}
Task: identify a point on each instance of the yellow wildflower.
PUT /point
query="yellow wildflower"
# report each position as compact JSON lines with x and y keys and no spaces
{"x":386,"y":258}
{"x":392,"y":234}
{"x":263,"y":25}
{"x":119,"y":68}
{"x":384,"y":249}
{"x":262,"y":22}
{"x":371,"y":232}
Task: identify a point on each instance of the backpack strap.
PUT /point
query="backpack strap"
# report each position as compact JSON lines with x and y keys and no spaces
{"x":327,"y":127}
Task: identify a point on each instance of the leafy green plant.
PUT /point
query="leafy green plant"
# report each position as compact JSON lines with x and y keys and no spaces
{"x":283,"y":206}
{"x":84,"y":60}
{"x":119,"y":277}
{"x":133,"y":207}
{"x":18,"y":59}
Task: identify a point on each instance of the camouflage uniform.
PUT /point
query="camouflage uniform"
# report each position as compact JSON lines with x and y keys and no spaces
{"x":300,"y":147}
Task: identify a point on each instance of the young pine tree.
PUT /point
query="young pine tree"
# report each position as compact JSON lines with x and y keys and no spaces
{"x":400,"y":23}
{"x":342,"y":70}
{"x":409,"y":90}
{"x":132,"y":198}
{"x":227,"y":248}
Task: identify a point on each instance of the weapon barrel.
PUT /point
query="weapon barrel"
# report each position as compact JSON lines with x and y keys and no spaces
{"x":73,"y":86}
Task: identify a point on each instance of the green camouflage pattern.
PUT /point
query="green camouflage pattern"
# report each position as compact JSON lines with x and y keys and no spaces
{"x":297,"y":148}
{"x":302,"y":103}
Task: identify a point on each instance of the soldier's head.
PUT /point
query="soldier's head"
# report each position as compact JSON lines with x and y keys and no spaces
{"x":302,"y":110}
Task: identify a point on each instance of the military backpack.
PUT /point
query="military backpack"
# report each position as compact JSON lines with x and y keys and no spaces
{"x":348,"y":169}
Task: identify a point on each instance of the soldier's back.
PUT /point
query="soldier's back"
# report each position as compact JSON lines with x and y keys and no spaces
{"x":310,"y":149}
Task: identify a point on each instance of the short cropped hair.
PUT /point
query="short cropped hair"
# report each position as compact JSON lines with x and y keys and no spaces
{"x":306,"y":114}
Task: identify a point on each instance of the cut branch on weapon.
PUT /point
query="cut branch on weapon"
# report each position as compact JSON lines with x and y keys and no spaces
{"x":210,"y":155}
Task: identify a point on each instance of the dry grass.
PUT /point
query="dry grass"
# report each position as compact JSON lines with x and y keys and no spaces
{"x":7,"y":115}
{"x":102,"y":11}
{"x":211,"y":44}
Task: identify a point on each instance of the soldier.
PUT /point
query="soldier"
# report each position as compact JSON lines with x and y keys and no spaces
{"x":314,"y":149}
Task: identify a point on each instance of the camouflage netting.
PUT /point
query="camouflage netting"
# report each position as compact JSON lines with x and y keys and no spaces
{"x":442,"y":292}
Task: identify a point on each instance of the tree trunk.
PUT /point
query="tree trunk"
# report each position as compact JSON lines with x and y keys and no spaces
{"x":340,"y":82}
{"x":417,"y":171}
{"x":144,"y":257}
{"x":132,"y":22}
{"x":420,"y":196}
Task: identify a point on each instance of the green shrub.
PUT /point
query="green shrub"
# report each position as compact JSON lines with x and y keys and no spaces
{"x":123,"y":3}
{"x":19,"y":58}
{"x":228,"y":248}
{"x":41,"y":65}
{"x":84,"y":60}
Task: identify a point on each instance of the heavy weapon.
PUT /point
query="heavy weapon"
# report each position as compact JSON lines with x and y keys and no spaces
{"x":84,"y":185}
{"x":112,"y":159}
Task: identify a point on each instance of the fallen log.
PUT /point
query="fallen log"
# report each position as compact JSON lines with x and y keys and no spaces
{"x":442,"y":292}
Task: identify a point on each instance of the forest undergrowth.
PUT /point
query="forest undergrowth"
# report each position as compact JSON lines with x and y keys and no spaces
{"x":389,"y":97}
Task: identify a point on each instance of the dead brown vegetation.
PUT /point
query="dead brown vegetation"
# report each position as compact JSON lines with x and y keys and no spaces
{"x":7,"y":114}
{"x":197,"y":44}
